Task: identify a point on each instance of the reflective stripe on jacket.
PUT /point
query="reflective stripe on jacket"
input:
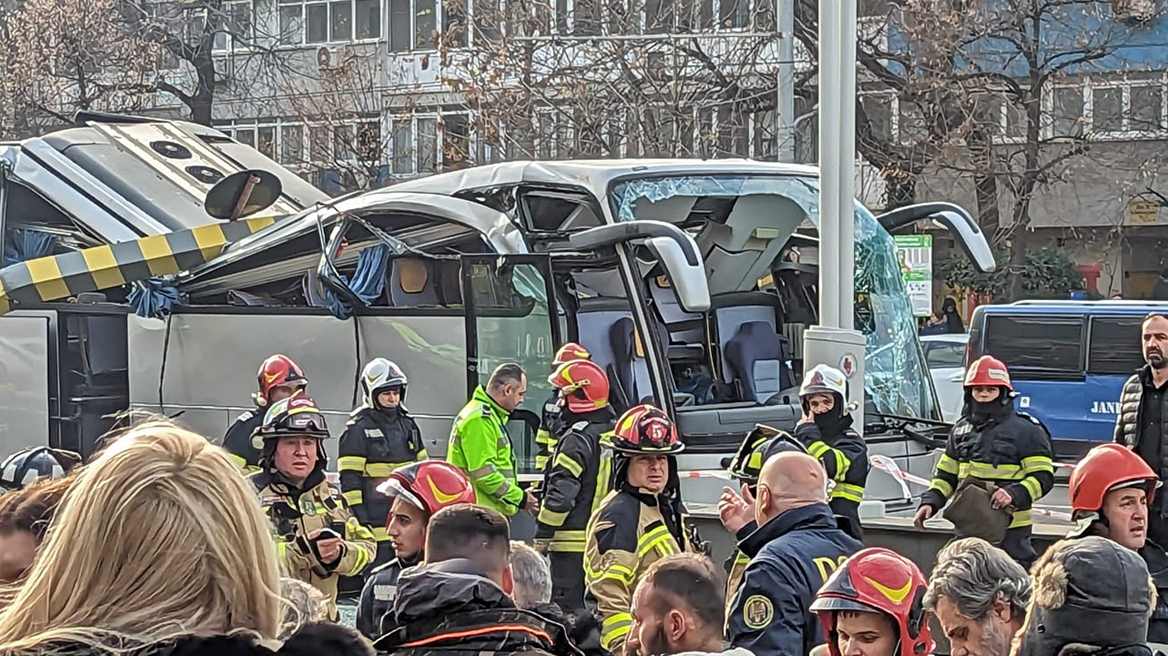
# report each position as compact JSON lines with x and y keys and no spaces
{"x":373,"y":445}
{"x":1010,"y":449}
{"x":297,"y":513}
{"x":627,"y":534}
{"x":479,"y":446}
{"x":577,"y":480}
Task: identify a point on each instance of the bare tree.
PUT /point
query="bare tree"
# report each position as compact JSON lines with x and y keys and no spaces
{"x":976,"y":87}
{"x":651,"y":78}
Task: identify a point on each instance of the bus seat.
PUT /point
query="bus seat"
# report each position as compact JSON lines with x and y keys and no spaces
{"x":729,"y":312}
{"x":629,"y":368}
{"x":410,"y":283}
{"x":672,"y":313}
{"x":756,"y":357}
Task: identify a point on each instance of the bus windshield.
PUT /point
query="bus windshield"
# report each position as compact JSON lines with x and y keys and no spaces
{"x":712,"y":208}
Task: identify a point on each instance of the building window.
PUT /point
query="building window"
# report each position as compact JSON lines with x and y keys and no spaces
{"x":403,"y":145}
{"x":1107,"y":109}
{"x":413,"y":25}
{"x":1067,"y":112}
{"x":233,"y":25}
{"x":292,"y":144}
{"x":322,"y":21}
{"x":1145,"y":108}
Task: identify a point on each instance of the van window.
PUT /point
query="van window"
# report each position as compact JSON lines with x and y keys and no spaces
{"x":1114,"y":345}
{"x":1042,"y":346}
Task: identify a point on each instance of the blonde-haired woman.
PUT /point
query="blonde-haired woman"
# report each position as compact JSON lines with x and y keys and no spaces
{"x":159,"y":540}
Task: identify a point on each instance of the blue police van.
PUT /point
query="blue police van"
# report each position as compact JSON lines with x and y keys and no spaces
{"x":1068,"y":360}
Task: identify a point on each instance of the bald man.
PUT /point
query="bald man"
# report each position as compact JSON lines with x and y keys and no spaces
{"x":795,"y":549}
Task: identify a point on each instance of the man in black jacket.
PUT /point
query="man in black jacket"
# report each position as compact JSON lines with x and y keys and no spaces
{"x":1139,"y":425}
{"x":458,"y":604}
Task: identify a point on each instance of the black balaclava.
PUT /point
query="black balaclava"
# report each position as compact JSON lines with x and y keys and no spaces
{"x":980,"y":413}
{"x":833,"y":422}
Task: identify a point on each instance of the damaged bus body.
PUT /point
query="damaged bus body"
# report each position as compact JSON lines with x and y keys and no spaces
{"x":677,"y":275}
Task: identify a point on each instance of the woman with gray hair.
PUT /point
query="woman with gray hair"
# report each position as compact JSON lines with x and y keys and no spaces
{"x":979,"y":595}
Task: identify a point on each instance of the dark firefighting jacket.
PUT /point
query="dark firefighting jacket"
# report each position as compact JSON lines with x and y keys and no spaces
{"x":577,"y":480}
{"x":238,"y":442}
{"x":375,"y":443}
{"x":450,"y":608}
{"x":844,"y":457}
{"x":795,"y":553}
{"x":630,"y":531}
{"x":1007,"y":448}
{"x":375,"y":609}
{"x":551,"y":425}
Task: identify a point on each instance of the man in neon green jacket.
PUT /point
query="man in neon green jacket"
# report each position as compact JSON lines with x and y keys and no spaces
{"x":479,"y":444}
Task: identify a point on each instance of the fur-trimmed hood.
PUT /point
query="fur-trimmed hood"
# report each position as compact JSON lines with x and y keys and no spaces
{"x":316,"y":639}
{"x":1090,"y":593}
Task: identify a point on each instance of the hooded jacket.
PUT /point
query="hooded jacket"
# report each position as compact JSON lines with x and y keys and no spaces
{"x":1090,"y":594}
{"x":316,"y":639}
{"x":451,"y":608}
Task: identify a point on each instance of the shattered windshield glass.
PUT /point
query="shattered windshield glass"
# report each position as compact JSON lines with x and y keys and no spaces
{"x":897,"y":379}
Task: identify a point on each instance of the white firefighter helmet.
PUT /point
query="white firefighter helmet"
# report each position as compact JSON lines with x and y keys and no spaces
{"x":379,"y":375}
{"x":823,"y":379}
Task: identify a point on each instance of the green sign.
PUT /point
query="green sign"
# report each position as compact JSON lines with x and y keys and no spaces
{"x":914,"y":253}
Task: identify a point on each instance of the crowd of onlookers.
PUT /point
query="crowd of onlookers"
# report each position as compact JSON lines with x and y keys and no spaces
{"x":157,"y":546}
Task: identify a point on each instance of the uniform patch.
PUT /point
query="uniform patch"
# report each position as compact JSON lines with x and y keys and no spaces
{"x":374,"y":432}
{"x":384,"y":592}
{"x":757,"y":612}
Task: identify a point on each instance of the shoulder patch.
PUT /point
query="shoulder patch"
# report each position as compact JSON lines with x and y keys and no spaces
{"x":246,"y":416}
{"x":384,"y":592}
{"x":579,"y":426}
{"x":757,"y":612}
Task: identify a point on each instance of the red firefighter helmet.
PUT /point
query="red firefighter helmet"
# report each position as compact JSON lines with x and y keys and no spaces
{"x":429,"y":485}
{"x":1105,"y":468}
{"x":570,"y":352}
{"x":878,"y":580}
{"x":582,"y":384}
{"x":988,"y":371}
{"x":645,"y":430}
{"x":278,"y":371}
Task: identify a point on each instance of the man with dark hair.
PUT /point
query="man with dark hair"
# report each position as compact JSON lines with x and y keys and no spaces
{"x":480,"y":446}
{"x":678,"y":608}
{"x":458,"y":601}
{"x":1139,"y":425}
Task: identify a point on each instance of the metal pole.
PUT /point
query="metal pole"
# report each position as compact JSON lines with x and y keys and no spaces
{"x":847,"y":162}
{"x":785,"y":89}
{"x":829,"y":164}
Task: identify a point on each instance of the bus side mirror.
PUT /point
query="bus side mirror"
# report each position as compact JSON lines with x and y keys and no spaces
{"x":689,"y":281}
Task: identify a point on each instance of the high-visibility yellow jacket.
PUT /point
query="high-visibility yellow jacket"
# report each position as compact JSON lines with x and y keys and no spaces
{"x":628,"y":534}
{"x":479,"y":446}
{"x":296,"y":513}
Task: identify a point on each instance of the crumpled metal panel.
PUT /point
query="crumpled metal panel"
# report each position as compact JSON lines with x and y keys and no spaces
{"x":897,"y":378}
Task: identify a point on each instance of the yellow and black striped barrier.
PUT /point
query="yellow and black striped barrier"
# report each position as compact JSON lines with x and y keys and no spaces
{"x":113,"y":265}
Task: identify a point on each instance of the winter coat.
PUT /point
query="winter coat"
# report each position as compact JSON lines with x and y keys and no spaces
{"x":375,"y":443}
{"x":451,"y":608}
{"x":480,"y":447}
{"x":375,"y":610}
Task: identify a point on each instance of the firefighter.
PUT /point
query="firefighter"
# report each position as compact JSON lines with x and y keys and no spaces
{"x":1111,"y":490}
{"x":317,"y":537}
{"x":380,"y":437}
{"x":826,"y":430}
{"x":279,"y":378}
{"x":994,"y":443}
{"x":872,"y":606}
{"x":639,"y":522}
{"x":551,"y":424}
{"x":577,"y":479}
{"x":760,"y":444}
{"x":28,"y":465}
{"x":418,"y":491}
